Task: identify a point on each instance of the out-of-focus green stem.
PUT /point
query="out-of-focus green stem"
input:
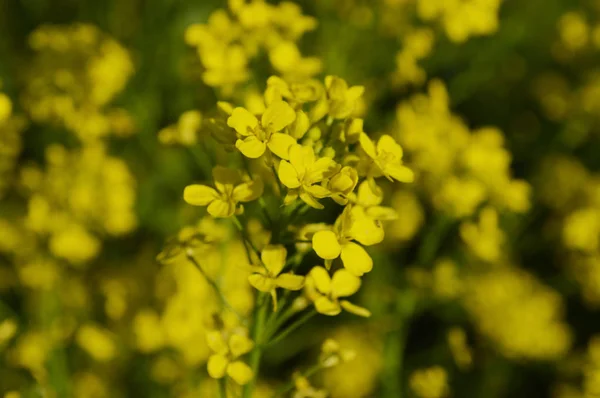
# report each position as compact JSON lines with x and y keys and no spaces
{"x":257,"y":337}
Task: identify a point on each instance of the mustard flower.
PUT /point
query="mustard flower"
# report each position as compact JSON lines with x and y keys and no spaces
{"x":303,"y":174}
{"x":385,"y":159}
{"x":268,"y":278}
{"x":325,"y":291}
{"x":303,"y":388}
{"x":352,"y":224}
{"x":369,"y":197}
{"x":342,"y":184}
{"x":341,"y":99}
{"x":225,"y":358}
{"x":230,"y":190}
{"x":255,"y":136}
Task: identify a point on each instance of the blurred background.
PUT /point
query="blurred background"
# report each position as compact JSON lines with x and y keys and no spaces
{"x":487,"y":285}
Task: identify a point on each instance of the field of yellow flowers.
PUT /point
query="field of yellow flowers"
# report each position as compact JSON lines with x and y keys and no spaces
{"x":299,"y":198}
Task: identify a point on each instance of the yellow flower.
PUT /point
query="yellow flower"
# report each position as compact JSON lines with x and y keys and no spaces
{"x":303,"y":388}
{"x":342,"y":99}
{"x":385,"y":159}
{"x":230,"y":190}
{"x":342,"y":184}
{"x":255,"y":136}
{"x":369,"y":197}
{"x":303,"y":173}
{"x":97,"y":342}
{"x":351,"y":225}
{"x":325,"y":291}
{"x":268,"y":278}
{"x":226,"y":354}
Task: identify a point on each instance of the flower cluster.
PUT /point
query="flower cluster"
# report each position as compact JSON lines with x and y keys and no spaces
{"x":233,"y":37}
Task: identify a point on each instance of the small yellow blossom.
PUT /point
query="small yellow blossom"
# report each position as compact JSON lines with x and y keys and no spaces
{"x":230,"y":190}
{"x":341,"y":184}
{"x":226,"y":353}
{"x":303,"y":174}
{"x":268,"y":278}
{"x":342,"y":100}
{"x":383,"y":160}
{"x":325,"y":291}
{"x":97,"y":342}
{"x":352,"y":224}
{"x":255,"y":136}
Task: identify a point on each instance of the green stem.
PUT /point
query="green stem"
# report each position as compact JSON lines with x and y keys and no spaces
{"x":295,"y":325}
{"x":216,"y":288}
{"x":257,"y":336}
{"x":222,"y":388}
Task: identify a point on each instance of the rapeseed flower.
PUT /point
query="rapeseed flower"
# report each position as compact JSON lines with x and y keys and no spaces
{"x":325,"y":291}
{"x":226,"y":353}
{"x":231,"y":189}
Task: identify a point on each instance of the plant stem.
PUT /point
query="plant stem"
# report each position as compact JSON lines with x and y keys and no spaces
{"x":257,"y":336}
{"x":222,"y":388}
{"x":299,"y":322}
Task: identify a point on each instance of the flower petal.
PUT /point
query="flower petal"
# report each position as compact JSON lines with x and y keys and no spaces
{"x":242,"y":121}
{"x":216,"y":366}
{"x":240,"y":372}
{"x":321,"y":278}
{"x":326,"y":245}
{"x":399,"y":172}
{"x":251,"y":147}
{"x":301,"y":157}
{"x":365,"y":229}
{"x":221,"y":209}
{"x":369,"y":195}
{"x":355,"y":309}
{"x":290,"y":281}
{"x":323,"y":168}
{"x":199,"y":195}
{"x":344,"y":283}
{"x":382,"y":213}
{"x":356,"y":259}
{"x":317,"y":191}
{"x":248,"y":191}
{"x":261,"y":282}
{"x":215,"y":342}
{"x":273,"y":256}
{"x":287,"y":175}
{"x":280,"y":144}
{"x":278,"y":116}
{"x":240,"y":345}
{"x":368,"y":146}
{"x":326,"y":306}
{"x":387,"y":144}
{"x":310,"y":200}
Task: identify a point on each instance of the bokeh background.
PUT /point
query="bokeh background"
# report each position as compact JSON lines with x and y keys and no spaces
{"x":488,"y":283}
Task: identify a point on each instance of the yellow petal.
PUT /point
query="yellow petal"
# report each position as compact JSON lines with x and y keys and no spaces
{"x":273,"y":257}
{"x":317,"y":191}
{"x":221,"y":209}
{"x":251,"y":147}
{"x":240,"y":372}
{"x":290,"y":281}
{"x":199,"y":195}
{"x":387,"y":144}
{"x":248,"y":191}
{"x":344,"y":283}
{"x":323,"y":168}
{"x":301,"y":157}
{"x":369,"y":195}
{"x":399,"y":172}
{"x":300,"y":126}
{"x":326,"y":306}
{"x":365,"y":229}
{"x":368,"y":146}
{"x":355,"y":309}
{"x":326,"y":245}
{"x":382,"y":213}
{"x":216,"y":366}
{"x":225,"y":178}
{"x":356,"y":259}
{"x":321,"y":279}
{"x":215,"y":342}
{"x":278,"y":116}
{"x":310,"y":200}
{"x":242,"y":121}
{"x":240,"y":345}
{"x":287,"y":175}
{"x":261,"y":282}
{"x":280,"y":144}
